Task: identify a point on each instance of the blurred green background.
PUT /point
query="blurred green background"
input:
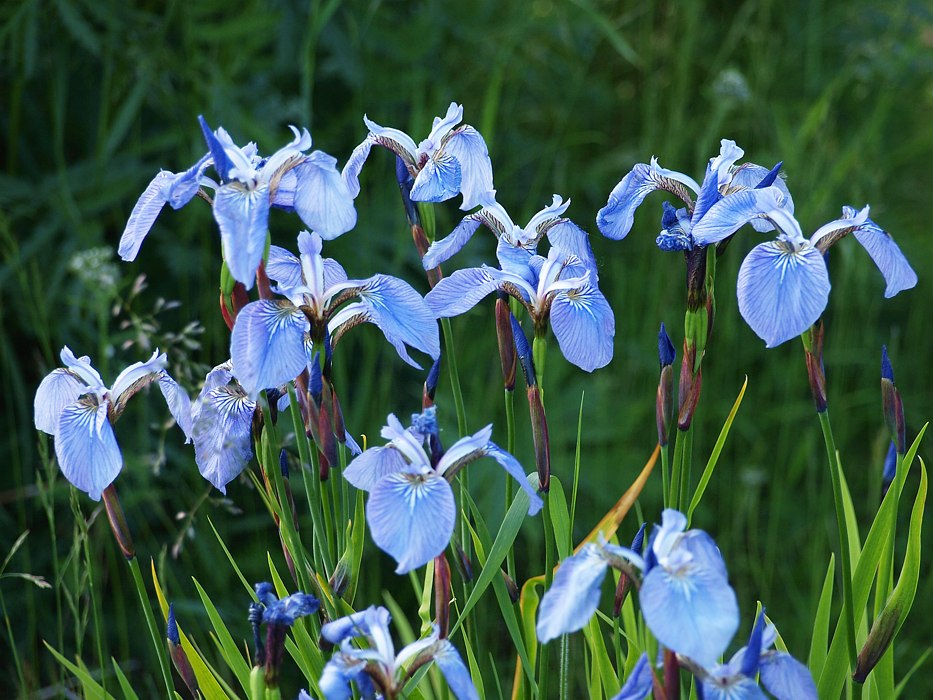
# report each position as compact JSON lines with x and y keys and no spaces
{"x":97,"y":95}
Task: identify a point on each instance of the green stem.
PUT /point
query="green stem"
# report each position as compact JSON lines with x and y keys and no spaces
{"x":665,"y":476}
{"x":686,"y":467}
{"x":834,"y":470}
{"x":886,"y":565}
{"x":544,"y":650}
{"x":158,"y":643}
{"x":509,"y":485}
{"x":679,"y":441}
{"x":454,"y":376}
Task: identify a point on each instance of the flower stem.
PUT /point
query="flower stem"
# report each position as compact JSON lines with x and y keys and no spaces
{"x":158,"y":644}
{"x":509,"y":485}
{"x":454,"y":376}
{"x":543,"y":652}
{"x":834,"y":470}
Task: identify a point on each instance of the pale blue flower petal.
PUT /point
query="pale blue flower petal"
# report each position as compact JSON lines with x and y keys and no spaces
{"x":86,"y":447}
{"x":438,"y":180}
{"x":709,"y":193}
{"x":411,"y":516}
{"x":179,"y":405}
{"x":786,"y":678}
{"x":704,"y":551}
{"x":467,"y":146}
{"x":81,"y":366}
{"x":639,"y":683}
{"x":462,"y":290}
{"x":222,"y":435}
{"x":691,"y":610}
{"x":59,"y":389}
{"x":322,"y":198}
{"x":243,"y":217}
{"x":127,"y":382}
{"x":354,"y":164}
{"x":898,"y":274}
{"x":725,"y":687}
{"x":455,"y":671}
{"x":570,"y":238}
{"x":574,"y":595}
{"x":452,"y":243}
{"x":584,"y":326}
{"x":144,"y":214}
{"x":749,"y":176}
{"x":184,"y":186}
{"x":284,"y":268}
{"x":365,"y":471}
{"x":730,"y":213}
{"x":401,"y":314}
{"x":512,"y":466}
{"x":333,"y":273}
{"x":516,"y":260}
{"x":782,"y":293}
{"x":337,"y":675}
{"x":222,"y":162}
{"x":267,"y":344}
{"x":364,"y":623}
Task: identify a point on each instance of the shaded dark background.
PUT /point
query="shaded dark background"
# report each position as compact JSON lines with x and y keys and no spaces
{"x":95,"y":97}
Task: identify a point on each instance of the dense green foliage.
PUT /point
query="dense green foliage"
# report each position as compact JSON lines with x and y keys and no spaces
{"x":97,"y":96}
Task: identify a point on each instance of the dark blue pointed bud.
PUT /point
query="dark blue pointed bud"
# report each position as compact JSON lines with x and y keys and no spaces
{"x":752,"y":656}
{"x":666,"y":352}
{"x":315,"y":382}
{"x":523,"y":349}
{"x":651,"y":559}
{"x":887,"y":372}
{"x":405,"y":182}
{"x":638,"y":542}
{"x":772,"y":175}
{"x":222,"y":163}
{"x":890,"y":469}
{"x":283,"y":462}
{"x":171,"y":628}
{"x":430,"y":384}
{"x":891,"y":405}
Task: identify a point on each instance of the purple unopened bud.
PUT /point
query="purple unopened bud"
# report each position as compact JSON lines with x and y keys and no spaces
{"x":891,"y":405}
{"x":815,"y":372}
{"x":504,"y":335}
{"x":887,"y":371}
{"x":118,"y":524}
{"x":430,"y":384}
{"x":283,"y":462}
{"x":666,"y":352}
{"x":625,"y":581}
{"x":442,"y":593}
{"x":638,"y":542}
{"x":179,"y":657}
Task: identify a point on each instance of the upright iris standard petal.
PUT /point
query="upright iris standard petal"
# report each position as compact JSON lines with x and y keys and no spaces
{"x":462,"y":290}
{"x":59,"y":389}
{"x":730,"y":213}
{"x":512,"y":466}
{"x":438,"y":180}
{"x":572,"y":239}
{"x":468,"y":148}
{"x":639,"y":682}
{"x":86,"y":447}
{"x":455,"y":672}
{"x":366,"y":470}
{"x":750,"y":176}
{"x":222,"y":435}
{"x":898,"y":274}
{"x":691,"y":610}
{"x":243,"y":217}
{"x":144,"y":214}
{"x":284,"y":268}
{"x":584,"y":326}
{"x":574,"y":595}
{"x":786,"y":678}
{"x":782,"y":292}
{"x":411,"y":516}
{"x":323,"y":199}
{"x":267,"y":344}
{"x":452,"y":243}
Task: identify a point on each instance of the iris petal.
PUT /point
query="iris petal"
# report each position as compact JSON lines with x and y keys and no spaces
{"x":179,"y":405}
{"x":438,"y":180}
{"x":59,"y":389}
{"x":411,"y":516}
{"x":462,"y":290}
{"x":243,"y":216}
{"x":786,"y":678}
{"x":354,"y":164}
{"x":782,"y":293}
{"x":467,"y":146}
{"x":144,"y":214}
{"x":322,"y":198}
{"x":284,"y":268}
{"x":639,"y":682}
{"x":730,"y":213}
{"x":574,"y":595}
{"x":267,"y":344}
{"x":455,"y":672}
{"x":570,"y":238}
{"x":365,"y":471}
{"x":86,"y":447}
{"x":450,"y":244}
{"x":584,"y":326}
{"x":512,"y":466}
{"x":222,"y":436}
{"x":898,"y":274}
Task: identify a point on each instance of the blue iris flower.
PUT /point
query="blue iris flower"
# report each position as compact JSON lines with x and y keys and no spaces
{"x":783,"y":284}
{"x":307,"y":183}
{"x":452,"y":160}
{"x":271,"y":340}
{"x":559,"y":290}
{"x":74,"y":406}
{"x":723,"y":179}
{"x":411,"y":508}
{"x":377,"y":664}
{"x":561,"y":232}
{"x":639,"y":683}
{"x":779,"y":672}
{"x":685,"y":596}
{"x":284,"y":611}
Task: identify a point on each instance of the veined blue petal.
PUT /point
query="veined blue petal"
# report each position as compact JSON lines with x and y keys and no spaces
{"x":584,"y":326}
{"x":749,"y":176}
{"x":333,"y":273}
{"x":703,"y":550}
{"x":898,"y":274}
{"x":411,"y":516}
{"x":616,"y":218}
{"x":438,"y":180}
{"x":574,"y":595}
{"x":284,"y":268}
{"x":284,"y":195}
{"x":691,"y":610}
{"x":452,"y":243}
{"x":59,"y":389}
{"x":395,"y":140}
{"x":512,"y":466}
{"x":367,"y":469}
{"x":401,"y":314}
{"x":222,"y":162}
{"x":782,"y":293}
{"x":455,"y":672}
{"x":549,"y":214}
{"x":179,"y":405}
{"x":222,"y":435}
{"x":335,"y":679}
{"x":730,"y":213}
{"x":126,"y":381}
{"x":144,"y":214}
{"x":639,"y":682}
{"x":267,"y":344}
{"x":516,"y":260}
{"x":441,"y":126}
{"x":786,"y":678}
{"x":322,"y":198}
{"x":720,"y":685}
{"x":722,"y":164}
{"x":184,"y":186}
{"x":370,"y":622}
{"x":709,"y":193}
{"x":86,"y":447}
{"x":354,"y":164}
{"x":462,"y":290}
{"x":467,"y":146}
{"x":570,"y":238}
{"x":81,"y":366}
{"x":243,"y":217}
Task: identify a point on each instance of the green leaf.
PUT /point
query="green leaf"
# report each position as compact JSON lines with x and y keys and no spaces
{"x":92,"y":689}
{"x":600,"y":657}
{"x":125,"y":686}
{"x":820,"y":639}
{"x":714,"y":455}
{"x":906,"y":588}
{"x":560,"y":518}
{"x":228,"y":648}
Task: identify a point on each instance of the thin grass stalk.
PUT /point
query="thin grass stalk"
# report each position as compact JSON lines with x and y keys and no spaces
{"x":155,"y":635}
